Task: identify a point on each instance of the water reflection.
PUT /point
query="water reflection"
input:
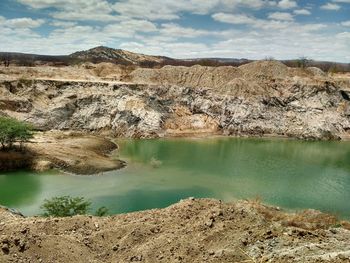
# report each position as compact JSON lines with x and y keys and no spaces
{"x":18,"y":188}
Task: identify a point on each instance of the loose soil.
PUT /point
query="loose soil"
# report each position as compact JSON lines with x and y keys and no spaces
{"x":202,"y":230}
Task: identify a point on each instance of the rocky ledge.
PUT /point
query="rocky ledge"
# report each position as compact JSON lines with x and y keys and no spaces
{"x":301,"y":111}
{"x":192,"y":230}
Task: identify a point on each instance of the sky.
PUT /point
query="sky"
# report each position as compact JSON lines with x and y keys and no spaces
{"x":253,"y":29}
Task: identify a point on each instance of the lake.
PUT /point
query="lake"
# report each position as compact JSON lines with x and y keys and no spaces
{"x":287,"y":173}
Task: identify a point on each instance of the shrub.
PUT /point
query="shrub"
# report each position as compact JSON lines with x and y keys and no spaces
{"x":64,"y":206}
{"x":102,"y":211}
{"x":302,"y":62}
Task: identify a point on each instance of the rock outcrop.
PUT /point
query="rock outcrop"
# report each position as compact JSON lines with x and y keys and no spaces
{"x":118,"y":56}
{"x":260,"y":98}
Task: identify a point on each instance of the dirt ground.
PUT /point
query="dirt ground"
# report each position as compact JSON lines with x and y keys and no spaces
{"x":73,"y":152}
{"x":69,"y":151}
{"x":192,"y":230}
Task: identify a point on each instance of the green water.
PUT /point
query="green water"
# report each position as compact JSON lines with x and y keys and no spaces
{"x":287,"y":173}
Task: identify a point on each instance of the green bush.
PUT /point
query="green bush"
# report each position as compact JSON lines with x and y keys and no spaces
{"x":102,"y":211}
{"x":64,"y":206}
{"x":12,"y":130}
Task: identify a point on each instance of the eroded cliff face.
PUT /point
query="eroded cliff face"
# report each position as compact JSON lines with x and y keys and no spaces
{"x":257,"y":99}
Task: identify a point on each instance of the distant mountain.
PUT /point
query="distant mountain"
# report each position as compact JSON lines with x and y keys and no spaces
{"x":24,"y":59}
{"x":104,"y":54}
{"x":224,"y":60}
{"x":94,"y":55}
{"x":119,"y":56}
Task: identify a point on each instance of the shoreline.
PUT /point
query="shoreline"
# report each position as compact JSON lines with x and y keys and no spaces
{"x":242,"y":136}
{"x":71,"y":152}
{"x":94,"y":153}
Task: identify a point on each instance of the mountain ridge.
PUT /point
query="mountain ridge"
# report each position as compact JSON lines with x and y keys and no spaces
{"x":103,"y":54}
{"x":120,"y":56}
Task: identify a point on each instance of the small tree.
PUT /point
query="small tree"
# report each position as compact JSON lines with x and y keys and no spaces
{"x":12,"y":130}
{"x":6,"y":60}
{"x":302,"y":62}
{"x":69,"y":206}
{"x":65,"y":206}
{"x":269,"y":58}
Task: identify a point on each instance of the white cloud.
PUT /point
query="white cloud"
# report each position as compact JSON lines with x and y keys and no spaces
{"x":344,"y":35}
{"x":281,"y":21}
{"x":281,"y":16}
{"x":233,"y":18}
{"x":345,"y":23}
{"x":256,"y":4}
{"x":46,"y":3}
{"x":74,"y":33}
{"x":174,"y":30}
{"x":302,"y":12}
{"x":102,"y":10}
{"x":23,"y":22}
{"x":341,"y":1}
{"x":170,"y":9}
{"x":165,"y":10}
{"x":100,"y":5}
{"x":153,"y":10}
{"x":99,"y":10}
{"x":84,"y":16}
{"x":330,"y":6}
{"x":128,"y":28}
{"x":58,"y":23}
{"x":287,"y":4}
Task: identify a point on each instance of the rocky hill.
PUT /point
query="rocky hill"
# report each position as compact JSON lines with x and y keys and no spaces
{"x":95,"y":55}
{"x":119,"y":56}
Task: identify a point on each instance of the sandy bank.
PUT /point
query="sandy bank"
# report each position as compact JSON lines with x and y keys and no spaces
{"x":69,"y":151}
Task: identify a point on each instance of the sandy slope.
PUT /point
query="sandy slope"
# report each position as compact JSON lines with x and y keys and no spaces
{"x":190,"y":231}
{"x":69,"y":151}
